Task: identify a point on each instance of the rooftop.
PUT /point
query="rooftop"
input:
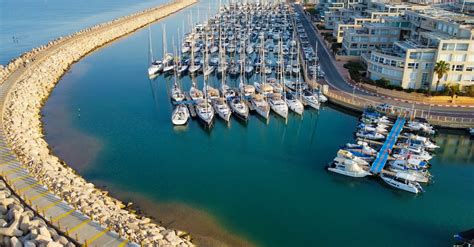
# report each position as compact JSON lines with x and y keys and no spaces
{"x":448,"y":16}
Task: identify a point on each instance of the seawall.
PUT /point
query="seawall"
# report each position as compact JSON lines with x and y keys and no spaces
{"x":27,"y":82}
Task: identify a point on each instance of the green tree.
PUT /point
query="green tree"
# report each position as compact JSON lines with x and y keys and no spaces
{"x":440,"y":69}
{"x":453,"y":89}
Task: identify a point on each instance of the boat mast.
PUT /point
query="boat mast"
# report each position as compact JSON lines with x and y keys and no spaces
{"x":150,"y":48}
{"x":164,"y":41}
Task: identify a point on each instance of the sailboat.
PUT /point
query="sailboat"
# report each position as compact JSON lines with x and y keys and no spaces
{"x":278,"y":105}
{"x":263,"y":87}
{"x":177,"y":94}
{"x":195,"y":93}
{"x":194,"y":67}
{"x":168,"y":61}
{"x":204,"y":109}
{"x":261,"y":105}
{"x":180,"y":115}
{"x":156,"y":66}
{"x":293,"y":98}
{"x":238,"y":104}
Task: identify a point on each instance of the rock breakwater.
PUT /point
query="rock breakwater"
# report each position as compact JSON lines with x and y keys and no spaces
{"x":29,"y":81}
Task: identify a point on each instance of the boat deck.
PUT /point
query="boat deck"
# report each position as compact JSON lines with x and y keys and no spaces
{"x":387,"y":147}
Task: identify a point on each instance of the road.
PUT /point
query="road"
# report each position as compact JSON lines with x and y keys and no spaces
{"x":337,"y":81}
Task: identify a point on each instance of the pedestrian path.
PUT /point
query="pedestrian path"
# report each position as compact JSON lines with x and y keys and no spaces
{"x":52,"y":208}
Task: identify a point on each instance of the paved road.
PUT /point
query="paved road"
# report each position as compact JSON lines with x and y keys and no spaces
{"x":337,"y":81}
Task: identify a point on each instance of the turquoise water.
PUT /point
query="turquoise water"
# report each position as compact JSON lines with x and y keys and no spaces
{"x":265,"y":182}
{"x":25,"y":24}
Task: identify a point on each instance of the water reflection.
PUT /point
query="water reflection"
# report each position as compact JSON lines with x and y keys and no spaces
{"x":456,"y":147}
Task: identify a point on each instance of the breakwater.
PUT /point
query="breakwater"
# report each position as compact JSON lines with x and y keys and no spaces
{"x":29,"y":80}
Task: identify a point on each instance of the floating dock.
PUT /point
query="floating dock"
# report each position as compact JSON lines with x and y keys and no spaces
{"x":387,"y":147}
{"x":192,"y":109}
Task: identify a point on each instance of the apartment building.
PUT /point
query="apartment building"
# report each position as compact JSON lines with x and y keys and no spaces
{"x":434,"y":35}
{"x":359,"y":41}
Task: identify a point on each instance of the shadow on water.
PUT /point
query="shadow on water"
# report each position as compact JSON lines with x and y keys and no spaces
{"x":439,"y":234}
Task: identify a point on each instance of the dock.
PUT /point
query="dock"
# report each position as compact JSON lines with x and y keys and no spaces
{"x":387,"y":147}
{"x":191,"y":107}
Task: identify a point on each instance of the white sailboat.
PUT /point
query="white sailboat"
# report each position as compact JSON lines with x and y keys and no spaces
{"x":156,"y":66}
{"x":222,"y":109}
{"x":180,"y":115}
{"x":278,"y":105}
{"x":260,"y":105}
{"x":204,"y":110}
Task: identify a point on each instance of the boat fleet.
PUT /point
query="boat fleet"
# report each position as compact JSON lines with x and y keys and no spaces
{"x":258,"y":46}
{"x":407,"y":165}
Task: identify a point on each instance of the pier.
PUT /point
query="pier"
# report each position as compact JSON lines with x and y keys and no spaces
{"x":387,"y":147}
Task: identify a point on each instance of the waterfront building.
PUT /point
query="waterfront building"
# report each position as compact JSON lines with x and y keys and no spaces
{"x":433,"y":35}
{"x":359,"y":41}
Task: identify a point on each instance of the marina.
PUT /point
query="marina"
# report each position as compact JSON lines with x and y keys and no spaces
{"x":257,"y":45}
{"x":160,"y":170}
{"x":407,"y":167}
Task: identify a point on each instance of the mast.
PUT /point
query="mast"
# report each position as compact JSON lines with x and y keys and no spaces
{"x":164,"y":41}
{"x":150,"y":48}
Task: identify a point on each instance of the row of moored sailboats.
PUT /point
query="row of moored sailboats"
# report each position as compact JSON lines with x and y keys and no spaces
{"x":254,"y":42}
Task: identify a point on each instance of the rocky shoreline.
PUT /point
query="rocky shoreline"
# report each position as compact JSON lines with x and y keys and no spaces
{"x":20,"y":226}
{"x":29,"y":80}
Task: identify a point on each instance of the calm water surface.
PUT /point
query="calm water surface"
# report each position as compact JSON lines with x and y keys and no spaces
{"x":263,"y":182}
{"x":25,"y":24}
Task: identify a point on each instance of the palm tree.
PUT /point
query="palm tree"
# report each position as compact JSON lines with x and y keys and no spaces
{"x":440,"y":69}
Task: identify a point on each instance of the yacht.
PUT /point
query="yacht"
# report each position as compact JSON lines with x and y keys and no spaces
{"x":409,"y":164}
{"x":311,"y":99}
{"x":348,"y":168}
{"x":278,"y":105}
{"x":344,"y":154}
{"x":155,"y":67}
{"x":177,"y":94}
{"x":370,"y":135}
{"x":180,"y":115}
{"x":194,"y":68}
{"x":239,"y":108}
{"x":212,"y":93}
{"x":401,"y":182}
{"x":205,"y":112}
{"x":221,"y":108}
{"x":419,"y":126}
{"x":195,"y":93}
{"x":415,"y":176}
{"x":294,"y":103}
{"x":260,"y":105}
{"x":263,"y":88}
{"x":247,"y":90}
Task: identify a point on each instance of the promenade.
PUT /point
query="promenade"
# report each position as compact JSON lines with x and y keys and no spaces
{"x":54,"y":191}
{"x":343,"y":92}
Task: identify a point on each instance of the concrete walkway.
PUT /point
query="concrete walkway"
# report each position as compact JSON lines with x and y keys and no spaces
{"x":56,"y":211}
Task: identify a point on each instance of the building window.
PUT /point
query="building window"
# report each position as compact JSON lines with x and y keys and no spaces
{"x":413,"y":65}
{"x":448,"y":47}
{"x":457,"y":67}
{"x":424,"y":78}
{"x":462,"y":47}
